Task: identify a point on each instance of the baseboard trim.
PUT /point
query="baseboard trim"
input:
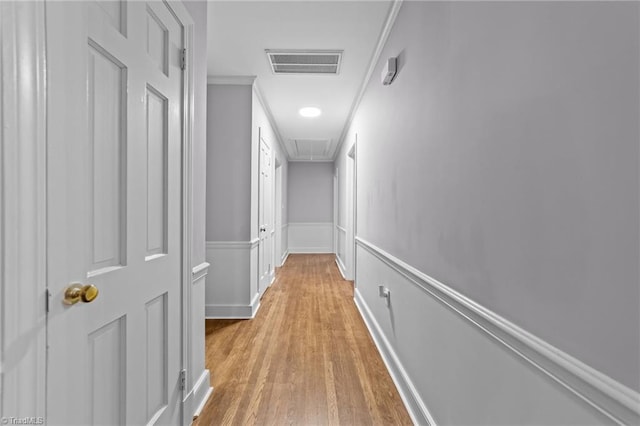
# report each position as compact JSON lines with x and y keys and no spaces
{"x":255,"y":305}
{"x":312,"y":250}
{"x":616,"y":401}
{"x":285,"y":256}
{"x":233,"y":311}
{"x":341,"y":267}
{"x":418,"y":411}
{"x":198,"y":396}
{"x":200,"y":407}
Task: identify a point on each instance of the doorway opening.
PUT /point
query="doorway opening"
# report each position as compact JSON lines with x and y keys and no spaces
{"x":278,"y":254}
{"x":351,"y":185}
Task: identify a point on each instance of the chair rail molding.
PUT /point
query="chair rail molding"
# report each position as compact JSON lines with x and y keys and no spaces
{"x":241,"y":245}
{"x":609,"y":397}
{"x":200,"y":271}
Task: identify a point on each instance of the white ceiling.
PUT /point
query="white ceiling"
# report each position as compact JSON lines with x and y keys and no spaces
{"x":240,"y":32}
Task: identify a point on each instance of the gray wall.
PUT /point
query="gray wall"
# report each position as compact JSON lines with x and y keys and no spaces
{"x":228,"y":162}
{"x":503,"y":161}
{"x":310,"y":192}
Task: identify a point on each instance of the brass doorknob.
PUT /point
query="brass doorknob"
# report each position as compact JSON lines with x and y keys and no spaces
{"x":77,"y":292}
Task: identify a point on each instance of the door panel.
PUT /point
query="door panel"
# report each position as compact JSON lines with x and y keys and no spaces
{"x":106,"y":104}
{"x":115,"y":110}
{"x":107,"y":387}
{"x":157,"y":41}
{"x":115,"y":13}
{"x":156,"y":172}
{"x":156,"y":356}
{"x":265,"y":251}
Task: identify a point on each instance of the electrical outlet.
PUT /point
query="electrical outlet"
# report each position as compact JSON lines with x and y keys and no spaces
{"x":386,"y":293}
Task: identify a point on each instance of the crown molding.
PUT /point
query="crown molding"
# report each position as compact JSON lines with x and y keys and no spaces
{"x":394,"y":9}
{"x":237,"y":80}
{"x":269,"y":114}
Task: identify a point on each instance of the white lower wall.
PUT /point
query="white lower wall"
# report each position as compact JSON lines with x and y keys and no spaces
{"x":455,"y":362}
{"x":284,"y":247}
{"x":341,"y":267}
{"x":199,"y":378}
{"x":231,"y":289}
{"x":310,"y":237}
{"x":341,"y":234}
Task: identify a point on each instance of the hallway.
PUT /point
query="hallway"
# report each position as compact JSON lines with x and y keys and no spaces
{"x":454,"y":186}
{"x":306,"y":358}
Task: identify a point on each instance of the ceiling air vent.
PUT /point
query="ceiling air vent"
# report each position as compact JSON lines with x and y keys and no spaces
{"x":310,"y":149}
{"x":305,"y":61}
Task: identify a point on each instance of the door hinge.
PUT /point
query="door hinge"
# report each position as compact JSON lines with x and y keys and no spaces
{"x":183,"y":61}
{"x":47,"y":300}
{"x":183,"y":379}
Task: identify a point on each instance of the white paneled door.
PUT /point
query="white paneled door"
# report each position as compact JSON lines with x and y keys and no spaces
{"x":265,"y":249}
{"x":115,"y":108}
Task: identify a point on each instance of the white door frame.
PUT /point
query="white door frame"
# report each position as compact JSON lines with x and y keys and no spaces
{"x":265,"y":207}
{"x":336,"y":206}
{"x":277,"y":209}
{"x":23,"y":215}
{"x":352,"y":218}
{"x":186,"y":20}
{"x":23,"y":257}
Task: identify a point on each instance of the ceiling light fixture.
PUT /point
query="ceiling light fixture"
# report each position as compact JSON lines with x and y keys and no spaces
{"x":310,"y":112}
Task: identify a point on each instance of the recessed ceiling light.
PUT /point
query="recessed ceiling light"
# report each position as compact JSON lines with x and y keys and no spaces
{"x":310,"y":112}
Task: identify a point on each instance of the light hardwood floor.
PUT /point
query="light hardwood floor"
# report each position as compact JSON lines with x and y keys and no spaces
{"x":306,"y":359}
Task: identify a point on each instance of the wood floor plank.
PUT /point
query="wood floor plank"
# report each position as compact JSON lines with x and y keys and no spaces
{"x":306,"y":359}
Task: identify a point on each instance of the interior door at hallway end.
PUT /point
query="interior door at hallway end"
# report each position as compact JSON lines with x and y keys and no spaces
{"x":351,"y":212}
{"x":115,"y":108}
{"x":265,"y":215}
